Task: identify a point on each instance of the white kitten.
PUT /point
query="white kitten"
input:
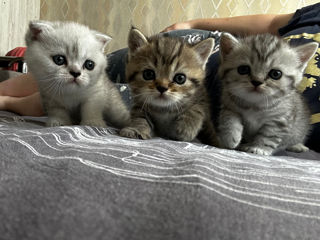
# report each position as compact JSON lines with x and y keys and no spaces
{"x":68,"y":62}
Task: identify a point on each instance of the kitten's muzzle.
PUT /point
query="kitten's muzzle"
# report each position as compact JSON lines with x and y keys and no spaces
{"x":256,"y":83}
{"x":161,"y":89}
{"x":75,"y":74}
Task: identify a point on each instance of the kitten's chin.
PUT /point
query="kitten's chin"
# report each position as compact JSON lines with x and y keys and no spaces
{"x":75,"y":83}
{"x":252,"y":93}
{"x":162,"y":101}
{"x":256,"y":90}
{"x":249,"y":95}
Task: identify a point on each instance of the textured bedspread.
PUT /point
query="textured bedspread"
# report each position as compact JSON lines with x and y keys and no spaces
{"x":87,"y":183}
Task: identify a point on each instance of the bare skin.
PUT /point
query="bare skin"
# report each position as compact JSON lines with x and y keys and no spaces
{"x":20,"y":95}
{"x":240,"y":25}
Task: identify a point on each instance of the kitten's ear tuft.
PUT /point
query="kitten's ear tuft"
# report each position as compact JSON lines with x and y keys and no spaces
{"x":306,"y":52}
{"x":136,"y":39}
{"x":227,"y":43}
{"x":104,"y":39}
{"x":36,"y":28}
{"x":204,"y":49}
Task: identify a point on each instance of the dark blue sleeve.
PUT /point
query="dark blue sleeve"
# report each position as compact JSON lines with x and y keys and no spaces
{"x":307,"y":18}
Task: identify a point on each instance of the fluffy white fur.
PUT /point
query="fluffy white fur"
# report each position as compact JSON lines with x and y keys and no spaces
{"x":91,"y":96}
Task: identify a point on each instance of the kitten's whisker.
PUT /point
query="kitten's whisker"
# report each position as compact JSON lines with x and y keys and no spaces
{"x":144,"y":103}
{"x":264,"y":95}
{"x":138,"y":95}
{"x":53,"y":87}
{"x":60,"y":90}
{"x":177,"y":107}
{"x":148,"y":103}
{"x":176,"y":104}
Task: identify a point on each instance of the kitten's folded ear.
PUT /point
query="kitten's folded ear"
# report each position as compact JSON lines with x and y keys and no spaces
{"x":36,"y":29}
{"x":227,"y":43}
{"x":136,"y":39}
{"x":104,"y":39}
{"x":306,"y":52}
{"x":204,"y":49}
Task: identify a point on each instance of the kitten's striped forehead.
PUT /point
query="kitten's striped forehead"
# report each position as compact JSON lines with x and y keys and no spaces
{"x":165,"y":50}
{"x":263,"y":47}
{"x":168,"y":48}
{"x":167,"y":56}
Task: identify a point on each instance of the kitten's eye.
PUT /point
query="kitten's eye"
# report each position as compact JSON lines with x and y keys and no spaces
{"x":88,"y":64}
{"x":59,"y":59}
{"x":149,"y":74}
{"x":180,"y":78}
{"x":244,"y":69}
{"x":275,"y":74}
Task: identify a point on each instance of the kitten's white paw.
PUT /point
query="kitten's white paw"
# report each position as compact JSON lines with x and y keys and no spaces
{"x":94,"y":123}
{"x":256,"y":149}
{"x":56,"y":122}
{"x":230,"y":140}
{"x":131,"y":132}
{"x":298,"y":148}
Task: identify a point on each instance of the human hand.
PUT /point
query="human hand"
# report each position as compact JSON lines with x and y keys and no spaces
{"x":178,"y":26}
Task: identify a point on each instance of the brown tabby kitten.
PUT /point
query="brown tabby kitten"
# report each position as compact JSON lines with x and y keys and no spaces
{"x":166,"y":77}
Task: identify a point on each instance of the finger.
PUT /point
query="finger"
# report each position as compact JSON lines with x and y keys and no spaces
{"x":166,"y":30}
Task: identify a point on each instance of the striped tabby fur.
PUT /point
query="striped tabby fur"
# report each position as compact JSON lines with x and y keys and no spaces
{"x":261,"y":109}
{"x":166,"y":77}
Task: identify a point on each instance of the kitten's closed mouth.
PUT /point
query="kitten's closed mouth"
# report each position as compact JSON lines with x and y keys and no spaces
{"x":256,"y":90}
{"x":74,"y":81}
{"x":162,"y":97}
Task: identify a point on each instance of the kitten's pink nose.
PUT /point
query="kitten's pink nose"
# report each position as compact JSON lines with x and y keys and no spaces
{"x":75,"y":74}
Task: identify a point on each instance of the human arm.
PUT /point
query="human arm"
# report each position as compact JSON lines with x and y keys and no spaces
{"x":240,"y":25}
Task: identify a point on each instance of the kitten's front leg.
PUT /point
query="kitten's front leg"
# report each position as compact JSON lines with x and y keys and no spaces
{"x":208,"y":135}
{"x":230,"y":129}
{"x":188,"y":124}
{"x":267,"y":140}
{"x":256,"y":149}
{"x":117,"y":113}
{"x":92,"y":114}
{"x":58,"y":117}
{"x":139,"y":128}
{"x":299,"y":147}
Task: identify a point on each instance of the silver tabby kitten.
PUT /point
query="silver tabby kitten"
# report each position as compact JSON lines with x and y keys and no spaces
{"x":166,"y":77}
{"x":261,"y":108}
{"x":68,"y":62}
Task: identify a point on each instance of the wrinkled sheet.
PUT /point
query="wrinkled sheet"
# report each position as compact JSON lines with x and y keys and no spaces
{"x":79,"y":182}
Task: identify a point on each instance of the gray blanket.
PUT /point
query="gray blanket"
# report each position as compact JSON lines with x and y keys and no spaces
{"x":87,"y":183}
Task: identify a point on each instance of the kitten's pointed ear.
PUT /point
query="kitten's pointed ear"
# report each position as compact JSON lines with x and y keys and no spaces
{"x":306,"y":52}
{"x":204,"y":49}
{"x":227,"y":43}
{"x":36,"y":29}
{"x":136,"y":39}
{"x":104,"y":39}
